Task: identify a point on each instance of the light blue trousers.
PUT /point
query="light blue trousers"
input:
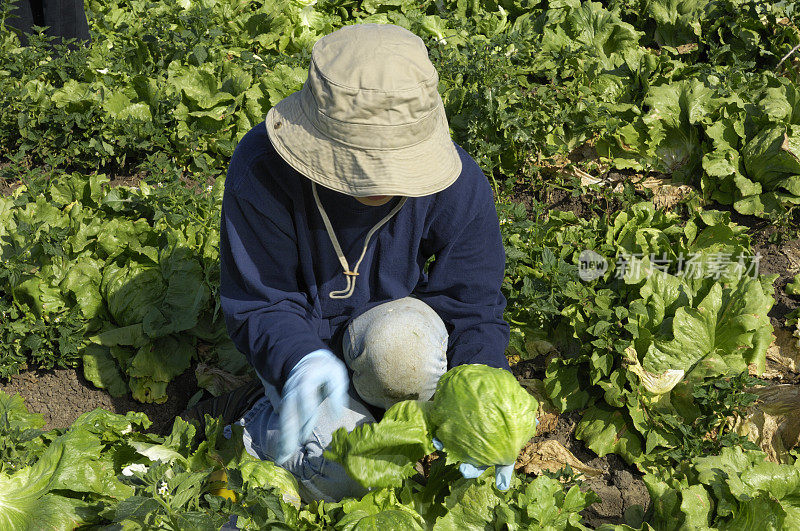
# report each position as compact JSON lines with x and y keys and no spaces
{"x":395,"y":351}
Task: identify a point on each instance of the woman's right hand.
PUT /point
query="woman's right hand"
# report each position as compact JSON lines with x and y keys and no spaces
{"x":317,"y":376}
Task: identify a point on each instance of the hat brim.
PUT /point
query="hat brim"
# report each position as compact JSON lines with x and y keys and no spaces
{"x":422,"y":169}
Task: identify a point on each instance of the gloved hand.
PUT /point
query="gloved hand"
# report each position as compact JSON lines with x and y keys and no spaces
{"x":317,"y":376}
{"x":502,"y":473}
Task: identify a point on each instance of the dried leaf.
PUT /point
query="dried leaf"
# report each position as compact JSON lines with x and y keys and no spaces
{"x":552,"y":456}
{"x":783,"y":355}
{"x":773,"y":423}
{"x":665,"y":194}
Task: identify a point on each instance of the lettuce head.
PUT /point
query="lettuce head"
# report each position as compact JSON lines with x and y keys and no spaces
{"x":482,"y":415}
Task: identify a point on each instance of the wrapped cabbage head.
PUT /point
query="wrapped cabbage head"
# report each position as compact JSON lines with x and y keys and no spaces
{"x":482,"y":415}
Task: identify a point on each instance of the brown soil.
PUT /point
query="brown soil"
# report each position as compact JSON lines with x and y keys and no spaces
{"x":126,"y":180}
{"x":62,"y":395}
{"x":583,"y":205}
{"x":619,"y":488}
{"x":7,"y":184}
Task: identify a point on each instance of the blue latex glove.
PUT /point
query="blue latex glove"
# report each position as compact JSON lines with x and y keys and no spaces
{"x":317,"y":376}
{"x":502,"y":473}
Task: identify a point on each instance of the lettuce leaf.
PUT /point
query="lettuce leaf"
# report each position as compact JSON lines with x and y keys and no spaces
{"x":383,"y":454}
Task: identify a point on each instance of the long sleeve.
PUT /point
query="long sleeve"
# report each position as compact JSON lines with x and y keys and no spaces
{"x":267,"y":316}
{"x":464,"y":280}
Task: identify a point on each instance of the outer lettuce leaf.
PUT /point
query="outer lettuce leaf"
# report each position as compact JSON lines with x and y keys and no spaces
{"x":14,"y":412}
{"x":387,"y":519}
{"x":772,"y":158}
{"x":751,"y":491}
{"x":111,"y":426}
{"x":73,"y":463}
{"x":599,"y":31}
{"x":677,"y":505}
{"x":383,"y":454}
{"x":736,"y":489}
{"x":676,"y":112}
{"x":470,"y":505}
{"x":147,"y":390}
{"x":720,"y":336}
{"x":608,"y":430}
{"x":24,"y":507}
{"x":679,"y":21}
{"x":81,"y":467}
{"x":163,"y":359}
{"x":266,"y":474}
{"x":100,"y":368}
{"x":83,"y":282}
{"x":165,"y":298}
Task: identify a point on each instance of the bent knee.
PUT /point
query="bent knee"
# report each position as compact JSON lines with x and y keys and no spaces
{"x":397,"y":351}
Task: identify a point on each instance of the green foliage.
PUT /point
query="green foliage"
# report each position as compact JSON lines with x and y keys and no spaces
{"x":524,"y":83}
{"x":654,"y":357}
{"x":679,"y":304}
{"x":706,"y":426}
{"x":383,"y":454}
{"x":115,"y":277}
{"x":105,"y":471}
{"x":737,"y":489}
{"x":37,"y":341}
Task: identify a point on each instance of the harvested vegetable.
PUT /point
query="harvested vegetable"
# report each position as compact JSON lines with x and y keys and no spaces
{"x":482,"y":415}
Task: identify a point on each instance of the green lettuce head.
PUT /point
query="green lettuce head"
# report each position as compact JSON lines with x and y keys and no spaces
{"x":482,"y":415}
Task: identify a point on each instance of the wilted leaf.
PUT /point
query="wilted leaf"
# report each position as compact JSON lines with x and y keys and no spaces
{"x":773,"y":421}
{"x":552,"y":456}
{"x":218,"y":381}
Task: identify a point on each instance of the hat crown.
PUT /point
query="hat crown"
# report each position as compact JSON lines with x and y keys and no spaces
{"x":372,"y":74}
{"x":373,"y":57}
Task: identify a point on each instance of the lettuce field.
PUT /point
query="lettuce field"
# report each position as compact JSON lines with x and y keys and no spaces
{"x":645,"y":161}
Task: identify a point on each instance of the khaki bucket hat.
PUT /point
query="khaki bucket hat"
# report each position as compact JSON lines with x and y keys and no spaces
{"x":369,"y":119}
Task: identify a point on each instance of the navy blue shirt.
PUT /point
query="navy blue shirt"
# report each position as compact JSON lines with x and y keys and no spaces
{"x":278,"y":264}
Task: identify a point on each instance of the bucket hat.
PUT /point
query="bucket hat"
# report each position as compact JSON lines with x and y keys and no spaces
{"x":369,"y":119}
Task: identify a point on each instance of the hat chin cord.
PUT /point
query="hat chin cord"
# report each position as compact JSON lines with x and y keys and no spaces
{"x":350,"y":275}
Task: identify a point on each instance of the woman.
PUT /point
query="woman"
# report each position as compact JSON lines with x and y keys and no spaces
{"x":332,"y":209}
